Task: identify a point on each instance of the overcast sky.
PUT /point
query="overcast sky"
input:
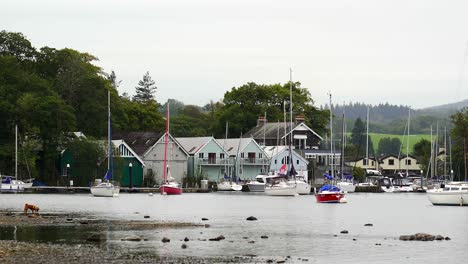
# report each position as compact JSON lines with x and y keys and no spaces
{"x":397,"y":51}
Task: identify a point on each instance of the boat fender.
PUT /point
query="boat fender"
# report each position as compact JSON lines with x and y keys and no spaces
{"x":343,"y":200}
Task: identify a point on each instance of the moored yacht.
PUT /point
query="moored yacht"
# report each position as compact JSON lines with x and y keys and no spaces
{"x":454,"y":193}
{"x":280,"y":186}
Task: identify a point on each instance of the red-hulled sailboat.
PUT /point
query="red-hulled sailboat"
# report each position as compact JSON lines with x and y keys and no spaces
{"x":169,"y":186}
{"x":330,"y":193}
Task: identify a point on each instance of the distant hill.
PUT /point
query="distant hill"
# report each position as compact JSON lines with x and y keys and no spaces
{"x":392,"y":119}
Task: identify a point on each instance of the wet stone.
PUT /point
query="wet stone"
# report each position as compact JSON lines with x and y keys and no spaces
{"x":264,"y":237}
{"x":344,"y":232}
{"x":135,"y":239}
{"x":186,"y":239}
{"x":251,"y":218}
{"x":165,"y":240}
{"x":204,"y":219}
{"x":251,"y":242}
{"x":368,"y":224}
{"x":184,"y":246}
{"x":447,"y":238}
{"x":219,"y":238}
{"x":439,"y":237}
{"x":146,"y":216}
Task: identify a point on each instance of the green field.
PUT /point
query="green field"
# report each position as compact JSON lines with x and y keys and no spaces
{"x":375,"y":137}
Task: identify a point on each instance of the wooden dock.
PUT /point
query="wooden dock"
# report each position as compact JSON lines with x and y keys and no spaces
{"x":66,"y":189}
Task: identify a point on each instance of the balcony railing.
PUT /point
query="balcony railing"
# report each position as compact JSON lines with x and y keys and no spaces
{"x":254,"y":161}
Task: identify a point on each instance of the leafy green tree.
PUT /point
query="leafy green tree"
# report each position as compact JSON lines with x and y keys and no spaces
{"x":422,"y":151}
{"x":460,"y":144}
{"x":86,"y":155}
{"x":242,"y":106}
{"x":16,"y":45}
{"x":145,"y":89}
{"x":359,"y":174}
{"x":389,"y":146}
{"x":358,"y":139}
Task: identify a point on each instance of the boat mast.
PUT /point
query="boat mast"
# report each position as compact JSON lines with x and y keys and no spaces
{"x":16,"y":152}
{"x":436,"y":151}
{"x":407,"y":142}
{"x":290,"y":122}
{"x":331,"y":139}
{"x":367,"y":136}
{"x":109,"y":139}
{"x":225,"y":160}
{"x":165,"y":145}
{"x":445,"y":152}
{"x":342,"y":146}
{"x":432,"y":156}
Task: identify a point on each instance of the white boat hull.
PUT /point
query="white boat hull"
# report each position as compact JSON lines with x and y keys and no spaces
{"x":402,"y":189}
{"x":105,"y":190}
{"x":227,"y":186}
{"x":302,"y":188}
{"x":346,"y":187}
{"x":256,"y":186}
{"x":437,"y":197}
{"x":15,"y":186}
{"x":282,"y":189}
{"x":388,"y":189}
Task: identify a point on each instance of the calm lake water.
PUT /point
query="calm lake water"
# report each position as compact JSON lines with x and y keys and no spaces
{"x":296,"y":226}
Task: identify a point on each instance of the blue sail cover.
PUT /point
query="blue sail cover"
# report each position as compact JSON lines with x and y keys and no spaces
{"x":7,"y":180}
{"x":348,"y":176}
{"x":107,"y":176}
{"x":226,"y":177}
{"x":328,"y":176}
{"x":330,"y":188}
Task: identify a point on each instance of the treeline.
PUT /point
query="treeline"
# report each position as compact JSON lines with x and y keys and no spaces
{"x":51,"y":92}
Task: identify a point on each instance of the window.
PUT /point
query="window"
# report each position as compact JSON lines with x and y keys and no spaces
{"x":259,"y":155}
{"x":391,"y":162}
{"x":221,"y":156}
{"x":251,"y":156}
{"x":242,"y":154}
{"x":297,"y":162}
{"x":373,"y":163}
{"x":364,"y":162}
{"x":408,"y":162}
{"x":200,"y":155}
{"x":212,"y":158}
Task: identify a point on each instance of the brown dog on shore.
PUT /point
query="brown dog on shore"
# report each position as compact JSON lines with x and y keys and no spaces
{"x":31,"y":207}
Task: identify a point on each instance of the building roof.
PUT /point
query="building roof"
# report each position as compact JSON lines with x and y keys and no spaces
{"x":194,"y":144}
{"x":140,"y":142}
{"x":272,"y":129}
{"x":273,"y":151}
{"x":161,"y":140}
{"x":321,"y":152}
{"x":233,"y":146}
{"x":117,"y":144}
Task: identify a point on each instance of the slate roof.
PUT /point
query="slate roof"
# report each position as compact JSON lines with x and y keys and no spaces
{"x":270,"y":129}
{"x":231,"y":145}
{"x":140,"y":142}
{"x":193,"y":144}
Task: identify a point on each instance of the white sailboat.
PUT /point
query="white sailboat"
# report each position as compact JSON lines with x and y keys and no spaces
{"x":454,"y":193}
{"x":12,"y":184}
{"x":346,"y":183}
{"x":281,"y":185}
{"x":227,"y":184}
{"x":107,"y":188}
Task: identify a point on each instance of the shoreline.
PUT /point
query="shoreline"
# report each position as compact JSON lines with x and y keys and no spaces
{"x":91,"y":247}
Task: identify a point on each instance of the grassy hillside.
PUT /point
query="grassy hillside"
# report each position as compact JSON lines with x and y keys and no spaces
{"x":376,"y":137}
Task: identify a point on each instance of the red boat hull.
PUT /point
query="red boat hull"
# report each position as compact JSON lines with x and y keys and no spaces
{"x":329,"y":197}
{"x":169,"y":190}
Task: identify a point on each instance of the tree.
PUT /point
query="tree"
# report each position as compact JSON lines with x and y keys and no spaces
{"x":16,"y":45}
{"x":389,"y":146}
{"x":358,"y":139}
{"x":145,"y":89}
{"x":86,"y":155}
{"x":241,"y":106}
{"x":460,"y":143}
{"x":422,"y":151}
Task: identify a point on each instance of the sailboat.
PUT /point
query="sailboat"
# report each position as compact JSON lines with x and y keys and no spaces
{"x":169,"y":186}
{"x":281,"y":185}
{"x":330,"y":193}
{"x":106,"y":188}
{"x":346,"y":182}
{"x":12,"y":184}
{"x":227,"y":184}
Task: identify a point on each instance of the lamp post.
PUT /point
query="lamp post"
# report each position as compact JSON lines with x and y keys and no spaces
{"x":422,"y":180}
{"x":67,"y":170}
{"x":130,"y":175}
{"x":451,"y":175}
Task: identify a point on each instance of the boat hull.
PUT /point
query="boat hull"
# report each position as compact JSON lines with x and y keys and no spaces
{"x":226,"y":186}
{"x":170,"y":190}
{"x":281,"y":191}
{"x":346,"y":187}
{"x":302,"y":188}
{"x":329,"y":197}
{"x":256,"y":187}
{"x":448,"y":198}
{"x":105,"y":191}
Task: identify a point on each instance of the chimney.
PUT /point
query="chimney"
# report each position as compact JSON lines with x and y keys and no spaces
{"x":299,"y":119}
{"x":260,"y":121}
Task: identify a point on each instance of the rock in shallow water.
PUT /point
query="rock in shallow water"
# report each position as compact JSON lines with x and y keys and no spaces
{"x":344,"y":232}
{"x":251,"y":218}
{"x":165,"y":240}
